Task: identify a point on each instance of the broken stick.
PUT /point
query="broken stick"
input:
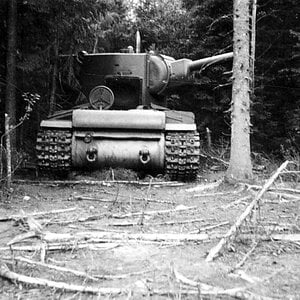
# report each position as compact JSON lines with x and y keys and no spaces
{"x":215,"y":250}
{"x":35,"y":281}
{"x":36,"y":214}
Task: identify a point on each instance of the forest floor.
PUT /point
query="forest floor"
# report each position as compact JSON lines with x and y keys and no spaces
{"x":149,"y":240}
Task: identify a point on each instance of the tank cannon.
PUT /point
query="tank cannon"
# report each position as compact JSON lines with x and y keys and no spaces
{"x":125,"y":122}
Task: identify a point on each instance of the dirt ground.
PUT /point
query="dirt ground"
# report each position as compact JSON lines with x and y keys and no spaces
{"x":150,"y":240}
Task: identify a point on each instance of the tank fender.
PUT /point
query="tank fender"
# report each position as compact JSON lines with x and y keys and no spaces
{"x":117,"y":119}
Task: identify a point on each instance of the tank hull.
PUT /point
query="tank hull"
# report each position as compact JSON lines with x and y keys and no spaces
{"x":136,"y":139}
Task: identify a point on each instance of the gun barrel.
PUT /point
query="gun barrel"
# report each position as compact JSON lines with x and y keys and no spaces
{"x":198,"y":64}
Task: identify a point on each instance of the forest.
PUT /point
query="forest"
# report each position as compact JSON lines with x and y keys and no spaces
{"x":48,"y":33}
{"x":205,"y":204}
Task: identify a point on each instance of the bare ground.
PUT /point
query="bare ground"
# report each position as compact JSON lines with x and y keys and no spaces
{"x":152,"y":266}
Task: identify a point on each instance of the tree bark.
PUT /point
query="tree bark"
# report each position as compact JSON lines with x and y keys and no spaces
{"x":240,"y":166}
{"x":52,"y":100}
{"x":10,"y":100}
{"x":252,"y":45}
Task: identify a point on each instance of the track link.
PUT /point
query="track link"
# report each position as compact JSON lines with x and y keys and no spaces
{"x":182,"y":155}
{"x":54,"y":150}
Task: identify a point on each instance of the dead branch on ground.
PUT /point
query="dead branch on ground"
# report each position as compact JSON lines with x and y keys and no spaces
{"x":238,"y":201}
{"x":50,"y":266}
{"x":206,"y":289}
{"x":36,"y":214}
{"x":154,"y":212}
{"x":275,"y":189}
{"x":203,"y":187}
{"x":220,"y":193}
{"x":174,"y":222}
{"x":35,"y":281}
{"x":246,"y":256}
{"x":141,"y":198}
{"x":103,"y":236}
{"x":141,"y":220}
{"x":64,"y":246}
{"x":215,"y":250}
{"x":210,"y":227}
{"x":98,"y":182}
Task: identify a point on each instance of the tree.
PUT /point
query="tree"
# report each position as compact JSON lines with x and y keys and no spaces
{"x":10,"y":100}
{"x":240,"y":166}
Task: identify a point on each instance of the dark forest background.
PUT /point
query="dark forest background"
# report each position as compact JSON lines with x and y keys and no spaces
{"x":183,"y":28}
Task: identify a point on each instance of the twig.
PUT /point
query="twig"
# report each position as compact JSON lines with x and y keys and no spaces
{"x":86,"y":198}
{"x":121,"y":276}
{"x":241,"y":263}
{"x":210,"y":227}
{"x":220,"y":193}
{"x":89,"y":198}
{"x":203,"y":187}
{"x":206,"y":289}
{"x":226,"y":163}
{"x":258,"y":187}
{"x":99,"y":245}
{"x":214,"y":251}
{"x":160,"y":223}
{"x":235,"y":202}
{"x":154,"y":212}
{"x":141,"y":220}
{"x":53,"y":267}
{"x":141,"y":198}
{"x":115,"y":200}
{"x":37,"y":214}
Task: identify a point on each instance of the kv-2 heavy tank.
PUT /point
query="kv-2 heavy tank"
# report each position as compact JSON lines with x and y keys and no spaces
{"x":125,"y":122}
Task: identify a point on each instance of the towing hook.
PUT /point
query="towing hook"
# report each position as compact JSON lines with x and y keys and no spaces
{"x":91,"y":154}
{"x":144,"y":156}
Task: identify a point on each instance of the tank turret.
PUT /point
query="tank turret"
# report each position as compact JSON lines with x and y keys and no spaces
{"x":138,"y":78}
{"x":124,"y":122}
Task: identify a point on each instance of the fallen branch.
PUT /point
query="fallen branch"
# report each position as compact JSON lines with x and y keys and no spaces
{"x":99,"y":245}
{"x":145,"y":204}
{"x":210,"y":227}
{"x":37,"y":214}
{"x":141,"y":198}
{"x":159,"y":223}
{"x":206,"y":289}
{"x":90,"y":235}
{"x":238,"y":201}
{"x":203,"y":187}
{"x":155,"y":212}
{"x":214,"y":251}
{"x":35,"y":281}
{"x":98,"y":182}
{"x":52,"y":267}
{"x":221,"y":193}
{"x":258,"y":187}
{"x":246,"y":256}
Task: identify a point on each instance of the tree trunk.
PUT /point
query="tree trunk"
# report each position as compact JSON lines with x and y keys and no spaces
{"x":252,"y":45}
{"x":54,"y":76}
{"x":240,"y":166}
{"x":10,"y":100}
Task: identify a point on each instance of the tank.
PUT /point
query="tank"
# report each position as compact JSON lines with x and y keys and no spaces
{"x":125,"y":122}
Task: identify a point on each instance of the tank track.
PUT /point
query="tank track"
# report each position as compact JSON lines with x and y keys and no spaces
{"x":53,"y":150}
{"x":182,"y":152}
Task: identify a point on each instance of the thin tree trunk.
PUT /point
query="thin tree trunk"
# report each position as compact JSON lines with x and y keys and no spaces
{"x":10,"y":101}
{"x":252,"y":44}
{"x":8,"y":152}
{"x":54,"y":77}
{"x":240,"y":166}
